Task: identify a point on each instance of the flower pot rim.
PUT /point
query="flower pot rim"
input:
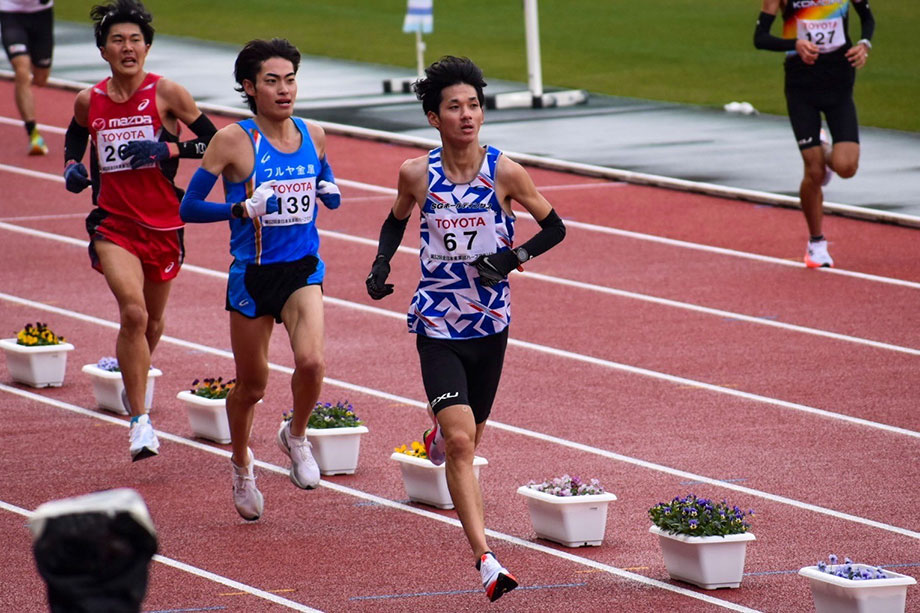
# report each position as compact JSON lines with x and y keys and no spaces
{"x":529,"y":492}
{"x":409,"y":459}
{"x":192,"y":397}
{"x":10,"y":344}
{"x":728,"y":538}
{"x":92,"y":369}
{"x":894,"y":579}
{"x":337,"y":431}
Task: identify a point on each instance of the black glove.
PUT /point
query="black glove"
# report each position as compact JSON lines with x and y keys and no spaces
{"x":494,"y":268}
{"x":76,"y":178}
{"x":377,"y":287}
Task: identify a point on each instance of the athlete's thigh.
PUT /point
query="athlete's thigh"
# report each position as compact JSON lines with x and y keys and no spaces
{"x":443,"y":373}
{"x":842,"y":121}
{"x":41,"y":38}
{"x":14,"y":34}
{"x":805,"y":117}
{"x":156,"y":294}
{"x":122,"y":270}
{"x":249,"y":341}
{"x":302,"y":316}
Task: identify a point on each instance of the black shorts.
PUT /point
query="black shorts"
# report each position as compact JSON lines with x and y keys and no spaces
{"x":463,"y":371}
{"x":825,"y":87}
{"x":255,"y":290}
{"x":31,"y":33}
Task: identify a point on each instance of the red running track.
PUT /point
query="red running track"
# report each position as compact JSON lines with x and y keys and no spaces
{"x":673,"y":343}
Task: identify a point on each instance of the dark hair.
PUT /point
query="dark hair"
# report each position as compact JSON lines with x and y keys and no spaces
{"x":120,"y":11}
{"x":447,"y":71}
{"x":253,"y":55}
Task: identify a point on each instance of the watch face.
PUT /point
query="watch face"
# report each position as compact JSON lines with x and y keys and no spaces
{"x":522,"y":254}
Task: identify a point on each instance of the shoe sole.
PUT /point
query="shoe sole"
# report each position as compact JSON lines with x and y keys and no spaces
{"x":503,"y":585}
{"x":285,"y":451}
{"x":251,"y":518}
{"x":810,"y":263}
{"x":144,"y":453}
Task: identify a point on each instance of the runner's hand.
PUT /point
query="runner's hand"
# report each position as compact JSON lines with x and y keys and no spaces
{"x":76,"y":178}
{"x":495,"y":268}
{"x":329,"y":193}
{"x":145,"y":152}
{"x":263,"y":201}
{"x":377,"y":287}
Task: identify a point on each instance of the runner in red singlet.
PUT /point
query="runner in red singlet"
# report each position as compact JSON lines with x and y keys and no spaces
{"x":132,"y":119}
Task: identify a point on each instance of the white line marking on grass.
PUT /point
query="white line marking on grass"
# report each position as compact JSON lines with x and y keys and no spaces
{"x":384,"y":502}
{"x":182,"y":566}
{"x":507,"y":427}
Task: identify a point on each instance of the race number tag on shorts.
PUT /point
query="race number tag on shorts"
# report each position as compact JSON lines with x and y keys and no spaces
{"x":297,"y":200}
{"x":461,"y":238}
{"x":827,"y":34}
{"x":110,"y":145}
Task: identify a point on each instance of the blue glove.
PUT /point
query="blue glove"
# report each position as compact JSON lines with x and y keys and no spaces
{"x":144,"y":152}
{"x":76,"y":178}
{"x":329,"y":193}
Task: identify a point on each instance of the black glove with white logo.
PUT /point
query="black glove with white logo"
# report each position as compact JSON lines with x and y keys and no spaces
{"x":495,"y":268}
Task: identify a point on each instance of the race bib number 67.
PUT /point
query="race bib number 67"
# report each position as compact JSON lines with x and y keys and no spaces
{"x":460,"y":238}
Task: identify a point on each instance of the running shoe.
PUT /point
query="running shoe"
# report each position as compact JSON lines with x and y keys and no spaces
{"x":816,"y":255}
{"x":434,"y":445}
{"x":37,"y":144}
{"x":142,"y":439}
{"x":246,"y":496}
{"x":304,"y":470}
{"x":828,"y":149}
{"x":495,"y":578}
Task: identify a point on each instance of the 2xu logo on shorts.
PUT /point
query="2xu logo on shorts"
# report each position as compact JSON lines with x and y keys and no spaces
{"x":446,"y":396}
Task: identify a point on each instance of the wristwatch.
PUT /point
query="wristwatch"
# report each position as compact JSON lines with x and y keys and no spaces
{"x":866,"y":42}
{"x":236,"y":211}
{"x":521,"y":254}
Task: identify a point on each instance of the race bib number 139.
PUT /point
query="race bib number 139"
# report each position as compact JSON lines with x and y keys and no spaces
{"x":296,"y":200}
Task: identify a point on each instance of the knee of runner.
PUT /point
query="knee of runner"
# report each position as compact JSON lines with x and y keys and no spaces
{"x":39,"y":79}
{"x":310,"y":365}
{"x":134,"y":319}
{"x":248,"y":393}
{"x":459,"y":447}
{"x":845,"y":170}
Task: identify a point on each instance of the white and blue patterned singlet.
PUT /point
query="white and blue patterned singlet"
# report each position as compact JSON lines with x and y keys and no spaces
{"x":459,"y":223}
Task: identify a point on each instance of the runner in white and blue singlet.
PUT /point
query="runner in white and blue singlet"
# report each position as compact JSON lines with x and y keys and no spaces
{"x":461,"y":308}
{"x":461,"y":222}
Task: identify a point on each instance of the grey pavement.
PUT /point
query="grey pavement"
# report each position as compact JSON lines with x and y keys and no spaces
{"x":750,"y":152}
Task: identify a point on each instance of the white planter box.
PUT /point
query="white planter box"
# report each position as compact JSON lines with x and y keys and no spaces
{"x":573,"y":521}
{"x":336,"y":449}
{"x":207,"y":416}
{"x":108,"y":386}
{"x":839,"y":595}
{"x":427,"y":483}
{"x":709,"y":562}
{"x":36,"y":365}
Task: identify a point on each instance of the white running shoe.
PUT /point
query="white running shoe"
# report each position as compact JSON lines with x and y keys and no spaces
{"x":495,"y":578}
{"x":142,"y":439}
{"x":304,"y":470}
{"x":434,"y":445}
{"x":246,"y":496}
{"x":816,"y":255}
{"x":828,"y":149}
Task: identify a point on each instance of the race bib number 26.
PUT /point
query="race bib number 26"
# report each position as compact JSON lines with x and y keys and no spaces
{"x":110,"y":145}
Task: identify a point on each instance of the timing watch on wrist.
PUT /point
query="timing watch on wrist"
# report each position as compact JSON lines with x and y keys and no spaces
{"x":521,"y":254}
{"x":237,"y":210}
{"x":866,"y":42}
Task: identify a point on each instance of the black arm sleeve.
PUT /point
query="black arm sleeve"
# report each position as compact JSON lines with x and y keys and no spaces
{"x":865,"y":19}
{"x":391,"y":235}
{"x":75,"y":141}
{"x":551,"y":233}
{"x":764,"y":40}
{"x":204,"y":130}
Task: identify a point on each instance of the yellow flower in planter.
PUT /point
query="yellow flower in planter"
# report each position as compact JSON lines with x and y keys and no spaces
{"x":417,"y":450}
{"x":39,"y":334}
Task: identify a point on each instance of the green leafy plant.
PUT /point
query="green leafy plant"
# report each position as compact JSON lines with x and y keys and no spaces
{"x":36,"y":335}
{"x":567,"y":486}
{"x":327,"y":415}
{"x":216,"y":389}
{"x":695,"y":516}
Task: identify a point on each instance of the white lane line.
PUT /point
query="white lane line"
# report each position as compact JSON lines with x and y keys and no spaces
{"x":10,"y":121}
{"x":182,"y":566}
{"x":602,"y":230}
{"x":521,"y":431}
{"x":391,"y":504}
{"x":560,"y":281}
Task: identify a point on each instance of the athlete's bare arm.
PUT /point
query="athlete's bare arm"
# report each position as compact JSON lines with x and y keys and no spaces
{"x":411,"y":187}
{"x":512,"y":182}
{"x":81,"y":107}
{"x":229,"y":154}
{"x":318,"y":135}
